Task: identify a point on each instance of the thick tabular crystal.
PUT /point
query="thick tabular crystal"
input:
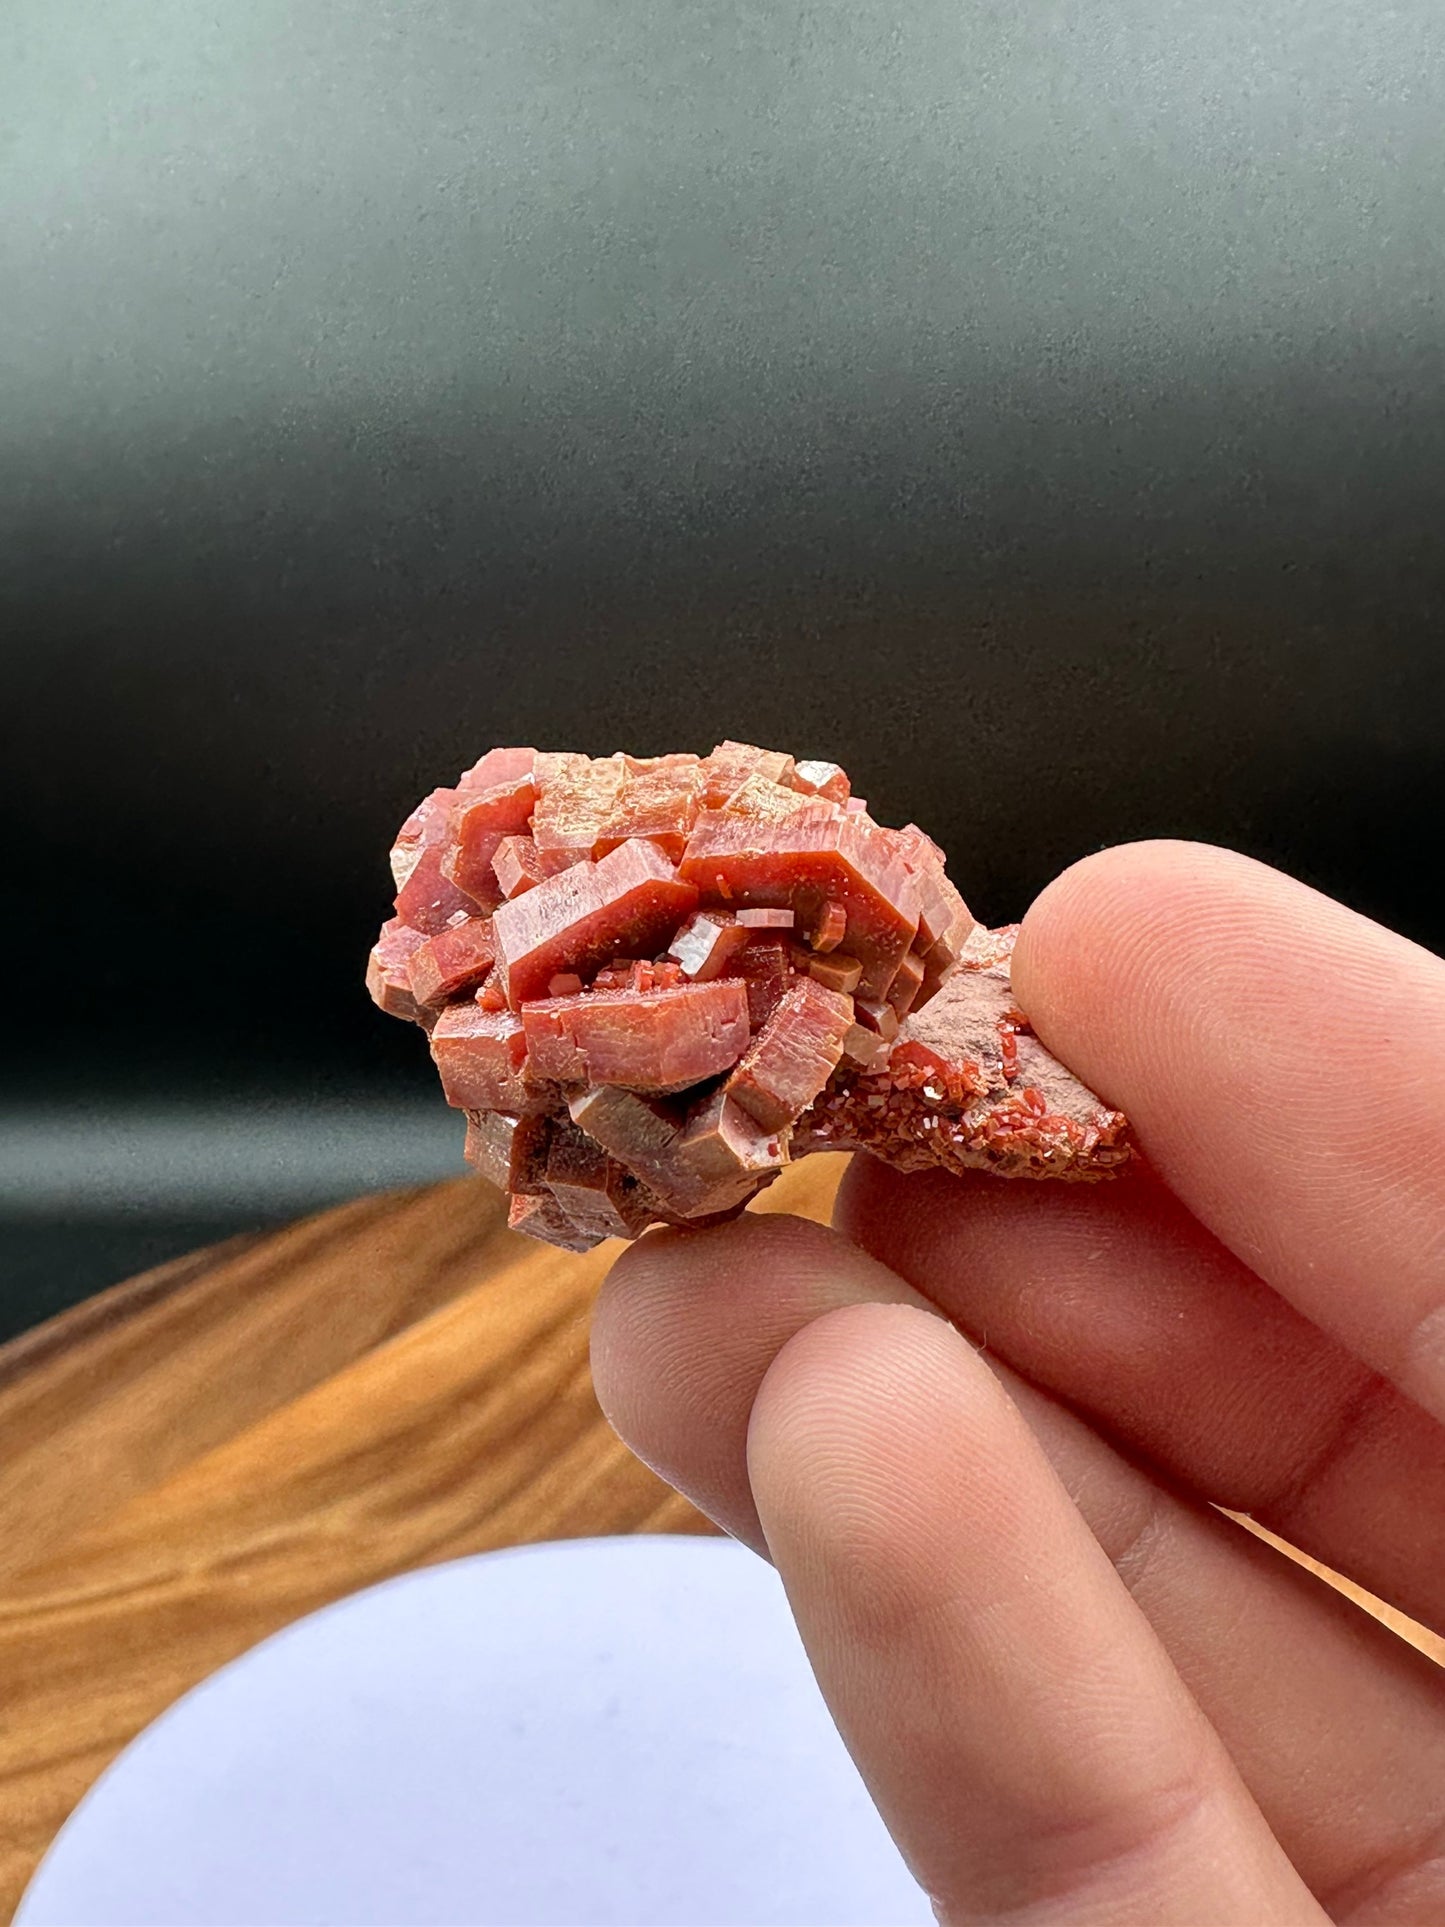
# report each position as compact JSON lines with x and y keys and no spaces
{"x":650,"y":982}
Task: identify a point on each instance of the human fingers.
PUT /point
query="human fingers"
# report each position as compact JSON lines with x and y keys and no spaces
{"x":685,"y":1327}
{"x":1027,"y":1740}
{"x":1116,"y":1299}
{"x":1283,"y":1061}
{"x":1337,"y":1726}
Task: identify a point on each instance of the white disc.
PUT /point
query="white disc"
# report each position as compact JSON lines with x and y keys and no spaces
{"x":601,"y":1731}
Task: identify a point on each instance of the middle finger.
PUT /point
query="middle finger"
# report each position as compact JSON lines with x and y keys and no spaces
{"x":1116,"y":1299}
{"x":1337,"y":1727}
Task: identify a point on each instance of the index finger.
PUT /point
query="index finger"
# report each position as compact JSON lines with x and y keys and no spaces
{"x":1283,"y":1060}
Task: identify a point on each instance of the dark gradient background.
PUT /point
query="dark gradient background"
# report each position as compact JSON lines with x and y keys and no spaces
{"x":1040,"y":410}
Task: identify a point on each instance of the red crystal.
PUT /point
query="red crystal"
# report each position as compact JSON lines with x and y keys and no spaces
{"x":510,"y":1152}
{"x":822,"y":779}
{"x":801,"y":861}
{"x":765,"y":963}
{"x":659,"y":801}
{"x":478,"y":826}
{"x":576,"y":803}
{"x":541,"y":1216}
{"x":705,"y":943}
{"x":497,"y":766}
{"x":838,"y":973}
{"x":599,"y":1195}
{"x":456,"y":959}
{"x":482,"y":1057}
{"x":731,"y":764}
{"x":830,"y":926}
{"x":640,"y":1040}
{"x":578,"y":918}
{"x":697,"y":1164}
{"x":793,"y":1055}
{"x":426,"y":898}
{"x":651,"y":981}
{"x":387,"y":975}
{"x":516,"y":865}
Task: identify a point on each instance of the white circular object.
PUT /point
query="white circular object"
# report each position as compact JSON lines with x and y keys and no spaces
{"x":602,"y":1731}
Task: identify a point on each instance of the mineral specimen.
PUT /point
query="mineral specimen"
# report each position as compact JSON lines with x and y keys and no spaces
{"x":651,"y":982}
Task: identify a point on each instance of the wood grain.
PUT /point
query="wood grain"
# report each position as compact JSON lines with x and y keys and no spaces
{"x":108,"y":1399}
{"x":206,"y":1453}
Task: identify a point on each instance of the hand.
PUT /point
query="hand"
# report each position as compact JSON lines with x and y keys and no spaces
{"x":981,"y":1429}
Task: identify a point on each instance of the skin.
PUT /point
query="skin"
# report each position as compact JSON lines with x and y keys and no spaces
{"x":983,"y":1430}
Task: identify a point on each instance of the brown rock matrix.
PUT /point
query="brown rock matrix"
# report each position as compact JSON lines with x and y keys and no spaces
{"x":650,"y":982}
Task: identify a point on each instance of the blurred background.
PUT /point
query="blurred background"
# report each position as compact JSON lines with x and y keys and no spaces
{"x":1039,"y":410}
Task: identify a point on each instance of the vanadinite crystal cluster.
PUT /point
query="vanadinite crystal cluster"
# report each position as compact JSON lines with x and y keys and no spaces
{"x":650,"y":982}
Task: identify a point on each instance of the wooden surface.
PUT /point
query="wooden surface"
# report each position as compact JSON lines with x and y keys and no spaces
{"x":205,"y":1453}
{"x":202,"y":1455}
